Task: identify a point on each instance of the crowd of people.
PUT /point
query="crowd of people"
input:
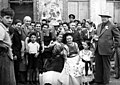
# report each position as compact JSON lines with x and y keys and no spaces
{"x":45,"y":53}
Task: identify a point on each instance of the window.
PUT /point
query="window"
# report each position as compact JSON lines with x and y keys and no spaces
{"x":113,"y":0}
{"x":20,"y":1}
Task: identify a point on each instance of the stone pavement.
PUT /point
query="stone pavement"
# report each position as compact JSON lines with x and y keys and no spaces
{"x":113,"y":81}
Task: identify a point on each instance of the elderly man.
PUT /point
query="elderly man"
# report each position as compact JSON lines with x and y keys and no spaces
{"x":24,"y":33}
{"x":7,"y":76}
{"x":107,"y":38}
{"x":27,"y":21}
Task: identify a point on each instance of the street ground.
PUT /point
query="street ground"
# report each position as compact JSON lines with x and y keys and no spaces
{"x":113,"y":81}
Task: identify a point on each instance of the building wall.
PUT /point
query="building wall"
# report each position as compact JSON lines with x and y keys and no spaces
{"x":97,"y":7}
{"x":88,"y":9}
{"x":80,"y":8}
{"x":3,"y":4}
{"x":114,"y":9}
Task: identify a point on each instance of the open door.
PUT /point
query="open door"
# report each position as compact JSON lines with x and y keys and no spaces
{"x":22,"y":10}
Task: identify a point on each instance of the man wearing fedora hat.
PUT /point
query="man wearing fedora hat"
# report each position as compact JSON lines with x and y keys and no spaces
{"x":107,"y":37}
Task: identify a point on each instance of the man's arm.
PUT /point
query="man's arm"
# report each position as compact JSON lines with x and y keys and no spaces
{"x":116,"y":35}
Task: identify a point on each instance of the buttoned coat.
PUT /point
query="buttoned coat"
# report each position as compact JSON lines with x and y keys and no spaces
{"x":108,"y":38}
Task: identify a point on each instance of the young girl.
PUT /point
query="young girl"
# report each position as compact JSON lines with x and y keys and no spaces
{"x":33,"y":51}
{"x":86,"y":56}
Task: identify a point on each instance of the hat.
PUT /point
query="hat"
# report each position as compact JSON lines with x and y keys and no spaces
{"x":72,"y":16}
{"x":105,"y":14}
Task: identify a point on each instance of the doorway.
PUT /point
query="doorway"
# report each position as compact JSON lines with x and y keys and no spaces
{"x":22,"y":10}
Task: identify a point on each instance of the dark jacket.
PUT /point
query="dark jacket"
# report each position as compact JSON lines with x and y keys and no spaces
{"x":78,"y":39}
{"x":16,"y":44}
{"x":109,"y":37}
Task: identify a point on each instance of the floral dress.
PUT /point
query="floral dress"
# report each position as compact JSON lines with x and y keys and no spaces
{"x":72,"y":72}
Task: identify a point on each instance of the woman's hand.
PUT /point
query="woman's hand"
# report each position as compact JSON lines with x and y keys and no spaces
{"x":52,"y":43}
{"x":95,"y":37}
{"x":45,"y":46}
{"x":36,"y":55}
{"x":15,"y":57}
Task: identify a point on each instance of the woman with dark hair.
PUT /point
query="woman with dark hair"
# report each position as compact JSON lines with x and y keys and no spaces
{"x":71,"y":74}
{"x":17,"y":46}
{"x":83,"y":23}
{"x":71,"y":17}
{"x":66,"y":28}
{"x":39,"y":35}
{"x":47,"y":38}
{"x":55,"y":64}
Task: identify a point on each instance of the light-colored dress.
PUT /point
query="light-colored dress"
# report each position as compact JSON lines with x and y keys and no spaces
{"x":72,"y":72}
{"x":86,"y":56}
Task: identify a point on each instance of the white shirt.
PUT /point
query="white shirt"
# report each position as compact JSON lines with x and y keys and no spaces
{"x":33,"y":47}
{"x":86,"y":55}
{"x":5,"y":38}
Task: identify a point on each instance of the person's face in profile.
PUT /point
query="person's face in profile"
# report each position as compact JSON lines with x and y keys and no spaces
{"x":85,"y":45}
{"x":7,"y":20}
{"x":18,"y":25}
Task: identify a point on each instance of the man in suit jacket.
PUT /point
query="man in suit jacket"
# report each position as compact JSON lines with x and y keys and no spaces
{"x":88,"y":32}
{"x":76,"y":35}
{"x":108,"y":37}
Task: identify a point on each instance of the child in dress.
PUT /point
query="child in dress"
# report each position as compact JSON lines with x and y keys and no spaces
{"x":86,"y":55}
{"x":33,"y":51}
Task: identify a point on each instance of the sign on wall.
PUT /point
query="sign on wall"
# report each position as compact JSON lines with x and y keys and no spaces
{"x":50,"y":9}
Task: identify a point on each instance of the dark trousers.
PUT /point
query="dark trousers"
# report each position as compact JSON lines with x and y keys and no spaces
{"x":16,"y":68}
{"x":7,"y":76}
{"x":23,"y":69}
{"x":17,"y":65}
{"x":32,"y":75}
{"x":117,"y":62}
{"x":102,"y":68}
